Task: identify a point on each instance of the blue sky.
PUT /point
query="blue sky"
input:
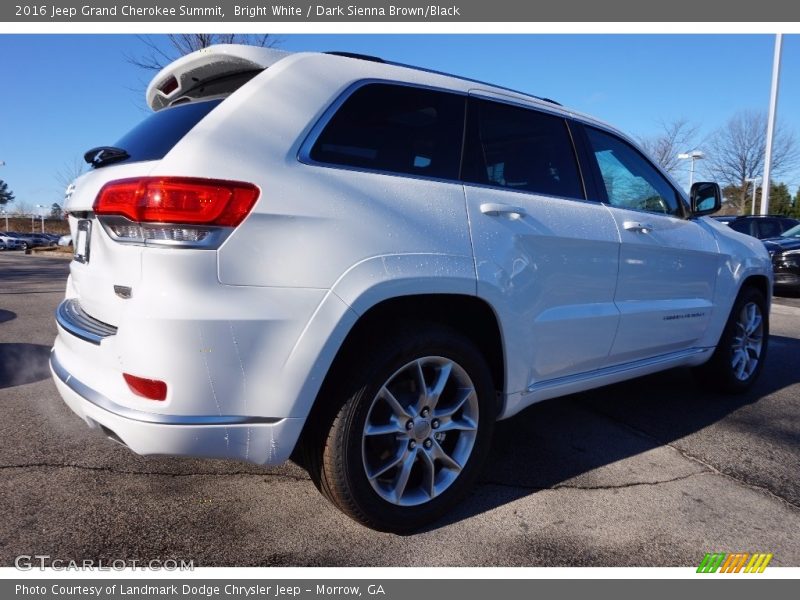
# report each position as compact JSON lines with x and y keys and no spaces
{"x":63,"y":94}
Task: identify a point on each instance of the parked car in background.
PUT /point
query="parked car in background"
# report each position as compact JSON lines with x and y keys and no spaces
{"x":391,"y":261}
{"x":26,"y":240}
{"x":65,"y":240}
{"x":763,"y":226}
{"x":785,"y":253}
{"x":726,"y":219}
{"x":44,"y":239}
{"x":10,"y":242}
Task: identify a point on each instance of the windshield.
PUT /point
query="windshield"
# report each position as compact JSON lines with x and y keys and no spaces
{"x":794,"y":232}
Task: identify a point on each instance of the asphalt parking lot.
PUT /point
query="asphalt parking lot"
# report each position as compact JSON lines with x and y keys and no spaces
{"x":651,"y":472}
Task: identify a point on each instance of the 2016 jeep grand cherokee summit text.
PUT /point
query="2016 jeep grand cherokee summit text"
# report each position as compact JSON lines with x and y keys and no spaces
{"x":364,"y":265}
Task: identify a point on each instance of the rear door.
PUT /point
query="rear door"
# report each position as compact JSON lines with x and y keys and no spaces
{"x":667,"y":265}
{"x":546,"y":257}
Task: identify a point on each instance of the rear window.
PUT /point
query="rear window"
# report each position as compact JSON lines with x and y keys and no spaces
{"x":396,"y":128}
{"x":157,"y":134}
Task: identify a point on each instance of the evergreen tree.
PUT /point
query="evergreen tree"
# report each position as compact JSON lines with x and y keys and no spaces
{"x":6,"y":195}
{"x":780,"y":200}
{"x":796,"y":204}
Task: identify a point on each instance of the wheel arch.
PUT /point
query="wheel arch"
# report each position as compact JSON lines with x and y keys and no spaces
{"x":469,"y":315}
{"x":761,"y":283}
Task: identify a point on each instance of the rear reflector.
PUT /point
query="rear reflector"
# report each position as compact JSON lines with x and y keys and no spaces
{"x":152,"y":389}
{"x":181,"y":200}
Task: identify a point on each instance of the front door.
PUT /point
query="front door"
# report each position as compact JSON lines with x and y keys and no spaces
{"x":668,"y":264}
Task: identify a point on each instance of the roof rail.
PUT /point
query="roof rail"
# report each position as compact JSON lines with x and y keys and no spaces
{"x":357,"y":56}
{"x":469,"y":79}
{"x":435,"y":72}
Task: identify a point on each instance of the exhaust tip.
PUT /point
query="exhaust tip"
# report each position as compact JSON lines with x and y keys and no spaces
{"x":112,"y":436}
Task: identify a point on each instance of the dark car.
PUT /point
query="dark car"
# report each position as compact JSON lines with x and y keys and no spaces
{"x":44,"y":239}
{"x":726,"y":219}
{"x":785,"y":253}
{"x":763,"y":226}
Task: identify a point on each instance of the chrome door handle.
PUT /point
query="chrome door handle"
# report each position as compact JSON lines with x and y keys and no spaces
{"x":637,"y":227}
{"x":495,"y":209}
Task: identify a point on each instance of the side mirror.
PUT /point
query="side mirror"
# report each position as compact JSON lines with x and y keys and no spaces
{"x":706,"y":198}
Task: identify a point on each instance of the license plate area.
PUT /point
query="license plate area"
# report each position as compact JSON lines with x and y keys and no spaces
{"x":82,"y":239}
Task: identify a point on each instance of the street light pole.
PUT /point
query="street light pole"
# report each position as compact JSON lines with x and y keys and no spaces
{"x":41,"y":214}
{"x":693,"y":155}
{"x":754,"y":181}
{"x":773,"y":108}
{"x":5,"y":214}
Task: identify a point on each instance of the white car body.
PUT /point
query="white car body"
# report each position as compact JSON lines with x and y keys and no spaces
{"x":244,"y":335}
{"x":9,"y":243}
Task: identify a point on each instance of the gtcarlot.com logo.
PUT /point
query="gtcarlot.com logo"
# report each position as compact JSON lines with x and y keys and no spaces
{"x":27,"y":562}
{"x":739,"y":562}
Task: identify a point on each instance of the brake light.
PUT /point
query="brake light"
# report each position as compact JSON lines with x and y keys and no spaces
{"x":179,"y":200}
{"x":169,"y":86}
{"x":152,"y":389}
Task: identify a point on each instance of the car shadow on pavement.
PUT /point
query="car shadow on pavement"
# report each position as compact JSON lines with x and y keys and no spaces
{"x":23,"y":363}
{"x":7,"y":315}
{"x":559,"y":442}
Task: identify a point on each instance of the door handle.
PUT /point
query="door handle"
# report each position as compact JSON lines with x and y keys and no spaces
{"x":637,"y":227}
{"x":495,"y":209}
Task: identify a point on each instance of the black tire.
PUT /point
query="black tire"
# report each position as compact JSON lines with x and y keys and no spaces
{"x":337,"y":456}
{"x":721,"y":372}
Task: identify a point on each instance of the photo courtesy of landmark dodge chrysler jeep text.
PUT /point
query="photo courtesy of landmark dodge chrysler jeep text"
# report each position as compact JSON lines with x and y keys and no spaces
{"x":364,"y":265}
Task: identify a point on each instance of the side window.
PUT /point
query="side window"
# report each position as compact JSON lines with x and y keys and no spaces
{"x":396,"y":128}
{"x":630,"y":180}
{"x":520,"y":149}
{"x":769,"y":228}
{"x":740,"y":226}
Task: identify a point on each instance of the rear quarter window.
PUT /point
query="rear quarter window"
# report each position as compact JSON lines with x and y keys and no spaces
{"x":397,"y":129}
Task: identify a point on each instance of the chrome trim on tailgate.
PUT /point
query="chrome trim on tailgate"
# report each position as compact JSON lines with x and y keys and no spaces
{"x":93,"y":396}
{"x":71,"y":317}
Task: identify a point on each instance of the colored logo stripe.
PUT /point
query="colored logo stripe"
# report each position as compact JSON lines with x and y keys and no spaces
{"x":733,"y":563}
{"x":758,"y":563}
{"x":711,"y":562}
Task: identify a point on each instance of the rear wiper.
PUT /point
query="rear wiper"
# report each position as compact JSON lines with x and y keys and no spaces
{"x":104,"y":155}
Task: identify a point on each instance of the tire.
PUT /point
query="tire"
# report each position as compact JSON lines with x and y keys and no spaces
{"x":742,"y":348}
{"x":392,"y":458}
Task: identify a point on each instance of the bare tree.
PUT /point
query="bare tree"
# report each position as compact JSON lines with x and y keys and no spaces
{"x":156,"y":56}
{"x":675,"y":137}
{"x":735,"y":153}
{"x":21,"y":208}
{"x":69,"y":172}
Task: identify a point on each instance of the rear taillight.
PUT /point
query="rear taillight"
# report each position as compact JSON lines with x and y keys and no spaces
{"x":152,"y":389}
{"x":176,"y":210}
{"x":177,"y":200}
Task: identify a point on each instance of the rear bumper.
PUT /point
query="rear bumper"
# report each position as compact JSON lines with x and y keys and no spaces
{"x":253,"y":439}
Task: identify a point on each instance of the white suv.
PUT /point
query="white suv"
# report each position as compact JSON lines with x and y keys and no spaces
{"x":363,"y":265}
